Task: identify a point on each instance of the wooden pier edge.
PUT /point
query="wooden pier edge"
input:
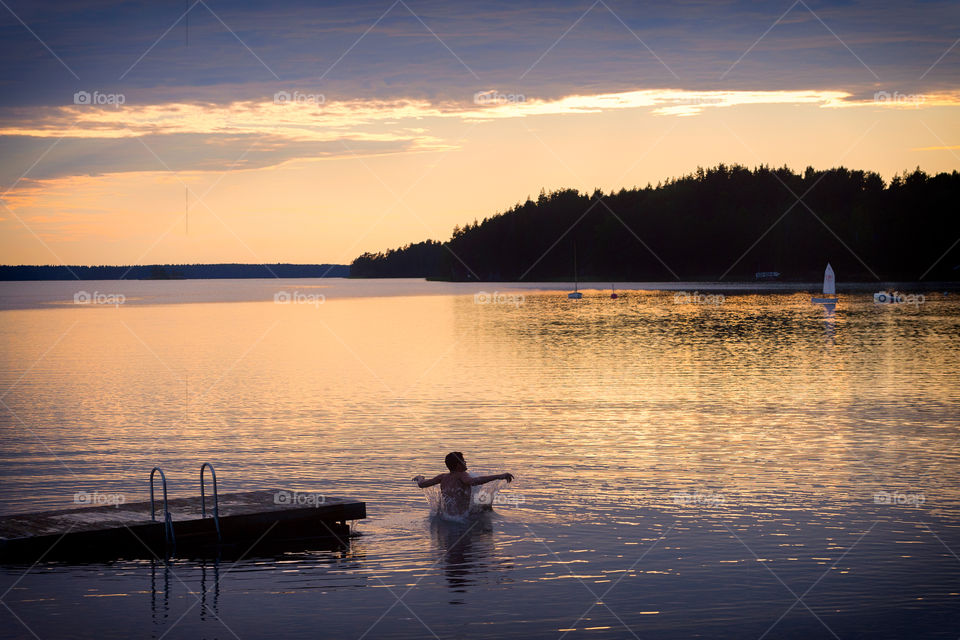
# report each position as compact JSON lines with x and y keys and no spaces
{"x":249,"y":522}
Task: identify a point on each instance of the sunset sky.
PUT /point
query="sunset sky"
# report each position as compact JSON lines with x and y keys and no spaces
{"x":212,"y":131}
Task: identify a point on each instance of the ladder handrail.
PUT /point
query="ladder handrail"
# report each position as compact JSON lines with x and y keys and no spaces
{"x":203,"y":497}
{"x":163,"y":479}
{"x":169,"y":537}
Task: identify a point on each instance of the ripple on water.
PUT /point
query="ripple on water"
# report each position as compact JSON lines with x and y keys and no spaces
{"x":691,"y":467}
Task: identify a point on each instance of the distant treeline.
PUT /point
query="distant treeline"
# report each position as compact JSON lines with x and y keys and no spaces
{"x":725,"y":222}
{"x":173,"y":271}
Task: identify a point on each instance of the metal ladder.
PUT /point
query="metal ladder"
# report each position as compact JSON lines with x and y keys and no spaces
{"x":168,"y":534}
{"x":203,"y":498}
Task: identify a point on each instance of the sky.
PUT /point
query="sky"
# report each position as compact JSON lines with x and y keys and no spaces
{"x":310,"y":132}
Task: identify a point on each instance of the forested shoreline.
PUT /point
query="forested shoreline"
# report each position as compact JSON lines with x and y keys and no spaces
{"x":726,"y":222}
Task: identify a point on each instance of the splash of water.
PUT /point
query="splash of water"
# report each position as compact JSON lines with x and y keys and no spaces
{"x":482,"y":498}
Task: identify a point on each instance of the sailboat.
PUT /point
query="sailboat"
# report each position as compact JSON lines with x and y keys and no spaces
{"x":829,"y":288}
{"x":575,"y":294}
{"x":613,"y":292}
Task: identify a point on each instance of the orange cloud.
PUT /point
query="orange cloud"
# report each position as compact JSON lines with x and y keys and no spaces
{"x":378,"y":120}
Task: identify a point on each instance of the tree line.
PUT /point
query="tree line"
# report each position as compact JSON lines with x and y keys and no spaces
{"x":725,"y":222}
{"x":171,"y":271}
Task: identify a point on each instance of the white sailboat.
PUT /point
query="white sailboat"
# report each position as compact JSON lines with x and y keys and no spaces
{"x":575,"y":294}
{"x":829,"y":288}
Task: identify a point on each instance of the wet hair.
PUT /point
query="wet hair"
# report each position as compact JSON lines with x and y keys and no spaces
{"x":453,"y":460}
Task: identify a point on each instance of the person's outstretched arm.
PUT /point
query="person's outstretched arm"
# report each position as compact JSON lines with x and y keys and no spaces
{"x":423,"y":484}
{"x":485,"y":479}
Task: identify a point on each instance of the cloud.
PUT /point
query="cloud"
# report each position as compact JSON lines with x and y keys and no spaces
{"x":95,"y":140}
{"x":173,"y":152}
{"x":300,"y":116}
{"x":359,"y":50}
{"x":294,"y":116}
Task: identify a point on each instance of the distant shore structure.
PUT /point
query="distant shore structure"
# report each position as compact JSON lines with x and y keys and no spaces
{"x":767,"y":275}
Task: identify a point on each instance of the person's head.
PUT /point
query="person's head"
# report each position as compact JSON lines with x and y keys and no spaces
{"x":455,"y":461}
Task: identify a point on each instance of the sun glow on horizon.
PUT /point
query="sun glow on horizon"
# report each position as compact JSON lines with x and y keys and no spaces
{"x":239,"y":181}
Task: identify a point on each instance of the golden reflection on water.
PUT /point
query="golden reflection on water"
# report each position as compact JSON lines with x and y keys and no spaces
{"x":598,"y":405}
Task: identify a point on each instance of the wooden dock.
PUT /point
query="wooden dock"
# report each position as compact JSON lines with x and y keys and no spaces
{"x":128,"y":530}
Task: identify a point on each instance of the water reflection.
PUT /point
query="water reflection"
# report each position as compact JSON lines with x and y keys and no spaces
{"x":214,"y":607}
{"x":209,"y":597}
{"x":160,"y":614}
{"x":828,"y":323}
{"x":466,"y":549}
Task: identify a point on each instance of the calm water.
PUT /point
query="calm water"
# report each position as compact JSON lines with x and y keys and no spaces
{"x":739,"y":468}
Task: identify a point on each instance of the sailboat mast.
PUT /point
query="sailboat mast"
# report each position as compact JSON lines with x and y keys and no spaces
{"x":575,"y":278}
{"x":575,"y":294}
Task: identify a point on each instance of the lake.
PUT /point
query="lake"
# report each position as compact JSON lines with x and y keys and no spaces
{"x":688,"y":463}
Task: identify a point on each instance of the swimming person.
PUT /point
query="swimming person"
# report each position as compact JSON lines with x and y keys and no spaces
{"x":456,"y":486}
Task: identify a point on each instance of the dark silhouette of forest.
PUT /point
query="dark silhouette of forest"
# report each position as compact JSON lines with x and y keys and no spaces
{"x":726,"y":222}
{"x":173,"y":271}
